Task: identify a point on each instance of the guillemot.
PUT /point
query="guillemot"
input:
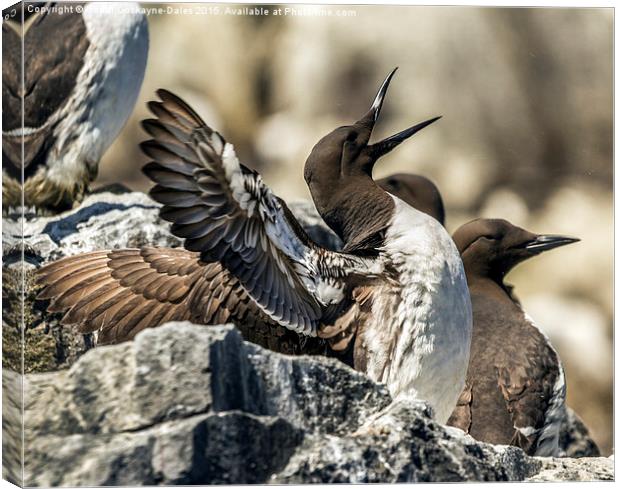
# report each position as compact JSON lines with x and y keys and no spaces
{"x":394,"y":318}
{"x":359,"y":218}
{"x":246,"y":260}
{"x":418,"y":191}
{"x":83,"y":66}
{"x":488,"y":417}
{"x":515,"y":388}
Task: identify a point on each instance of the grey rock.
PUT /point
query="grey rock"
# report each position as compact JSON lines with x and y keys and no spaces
{"x":307,"y":391}
{"x":231,"y":447}
{"x":571,"y":469}
{"x":188,"y":404}
{"x":102,"y":221}
{"x":180,"y":370}
{"x":403,"y":444}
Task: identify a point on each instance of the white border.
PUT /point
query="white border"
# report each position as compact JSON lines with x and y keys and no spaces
{"x":497,"y":3}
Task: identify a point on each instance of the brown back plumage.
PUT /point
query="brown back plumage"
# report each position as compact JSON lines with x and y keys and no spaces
{"x":514,"y":391}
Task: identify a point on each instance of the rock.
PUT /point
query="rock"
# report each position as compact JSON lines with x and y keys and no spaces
{"x":102,"y":221}
{"x":403,"y":444}
{"x":194,"y":405}
{"x":191,"y":370}
{"x":567,"y":469}
{"x":188,"y":404}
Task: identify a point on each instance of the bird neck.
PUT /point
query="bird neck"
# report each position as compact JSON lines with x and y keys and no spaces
{"x":355,"y":205}
{"x":491,"y":283}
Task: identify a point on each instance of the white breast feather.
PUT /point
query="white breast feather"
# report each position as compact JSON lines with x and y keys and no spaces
{"x":106,"y":90}
{"x":428,"y":312}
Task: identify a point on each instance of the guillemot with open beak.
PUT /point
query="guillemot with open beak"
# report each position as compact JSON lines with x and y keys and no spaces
{"x":515,"y":389}
{"x":357,"y":211}
{"x":246,"y":260}
{"x":414,"y":326}
{"x":83,"y":66}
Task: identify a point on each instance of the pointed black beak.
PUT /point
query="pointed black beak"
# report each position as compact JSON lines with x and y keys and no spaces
{"x":377,"y":103}
{"x":546,"y":242}
{"x":370,"y":118}
{"x":388,"y":144}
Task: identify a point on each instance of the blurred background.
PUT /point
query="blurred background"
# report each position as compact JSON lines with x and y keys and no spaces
{"x":526,"y":135}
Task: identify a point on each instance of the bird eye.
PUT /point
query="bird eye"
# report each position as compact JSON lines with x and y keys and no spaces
{"x":392,"y":182}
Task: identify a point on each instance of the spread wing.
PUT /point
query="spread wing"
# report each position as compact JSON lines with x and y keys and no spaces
{"x":121,"y":292}
{"x":230,"y":220}
{"x":225,"y":212}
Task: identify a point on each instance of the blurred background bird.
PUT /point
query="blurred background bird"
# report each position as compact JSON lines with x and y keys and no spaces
{"x":418,"y":192}
{"x":83,"y":66}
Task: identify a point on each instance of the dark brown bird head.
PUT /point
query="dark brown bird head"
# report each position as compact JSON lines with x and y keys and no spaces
{"x":417,"y":191}
{"x":492,"y":247}
{"x":340,"y":165}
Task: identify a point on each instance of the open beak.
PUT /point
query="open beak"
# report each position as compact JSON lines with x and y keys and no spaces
{"x":545,"y":242}
{"x":388,"y":144}
{"x":377,"y":103}
{"x":370,"y":118}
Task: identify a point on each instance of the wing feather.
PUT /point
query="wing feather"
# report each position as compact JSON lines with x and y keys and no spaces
{"x":178,"y":286}
{"x":226,"y":213}
{"x":246,"y":258}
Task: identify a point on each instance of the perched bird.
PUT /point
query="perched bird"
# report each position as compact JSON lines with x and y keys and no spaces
{"x":82,"y":70}
{"x":418,"y":192}
{"x":247,"y":260}
{"x":414,"y":327}
{"x":487,"y":406}
{"x":515,"y":389}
